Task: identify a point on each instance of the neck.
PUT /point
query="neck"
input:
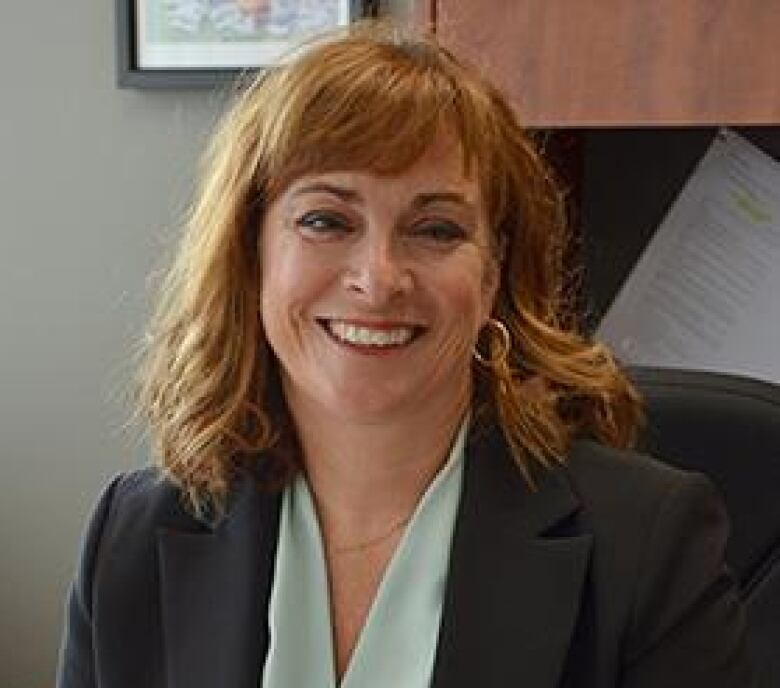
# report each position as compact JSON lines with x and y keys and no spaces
{"x":366,"y":475}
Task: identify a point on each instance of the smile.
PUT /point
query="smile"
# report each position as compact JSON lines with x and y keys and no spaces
{"x":374,"y":336}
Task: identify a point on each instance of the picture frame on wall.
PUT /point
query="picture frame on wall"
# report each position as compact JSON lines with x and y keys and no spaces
{"x":203,"y":43}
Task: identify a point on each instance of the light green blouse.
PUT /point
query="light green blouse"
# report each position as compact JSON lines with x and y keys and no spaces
{"x":397,"y":645}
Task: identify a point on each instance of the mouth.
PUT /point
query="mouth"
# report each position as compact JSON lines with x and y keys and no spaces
{"x":372,"y":337}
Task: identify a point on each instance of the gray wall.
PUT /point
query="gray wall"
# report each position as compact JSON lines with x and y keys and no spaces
{"x":89,"y":179}
{"x":92,"y":182}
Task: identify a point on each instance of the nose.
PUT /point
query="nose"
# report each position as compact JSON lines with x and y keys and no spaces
{"x":379,"y":272}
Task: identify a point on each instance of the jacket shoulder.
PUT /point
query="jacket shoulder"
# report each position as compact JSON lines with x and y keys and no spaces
{"x":661,"y":587}
{"x":148,"y":499}
{"x":627,"y":482}
{"x":116,"y":577}
{"x":633,"y":504}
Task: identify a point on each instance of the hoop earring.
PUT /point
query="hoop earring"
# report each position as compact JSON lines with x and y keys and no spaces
{"x":499,"y":359}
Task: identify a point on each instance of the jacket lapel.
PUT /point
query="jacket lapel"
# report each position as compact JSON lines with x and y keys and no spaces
{"x":515,"y":580}
{"x":214,"y":593}
{"x":510,"y":606}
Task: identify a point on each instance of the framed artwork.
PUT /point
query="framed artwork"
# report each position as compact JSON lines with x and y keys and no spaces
{"x":201,"y":43}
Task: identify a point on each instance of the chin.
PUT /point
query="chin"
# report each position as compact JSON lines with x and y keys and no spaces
{"x":371,"y":407}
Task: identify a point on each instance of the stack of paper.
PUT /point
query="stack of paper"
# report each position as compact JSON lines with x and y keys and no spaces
{"x":705,"y":293}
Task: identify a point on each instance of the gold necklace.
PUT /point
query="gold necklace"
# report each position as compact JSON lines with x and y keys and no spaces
{"x":346,"y":549}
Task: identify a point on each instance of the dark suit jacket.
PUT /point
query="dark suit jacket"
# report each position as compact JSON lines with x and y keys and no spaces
{"x":609,"y":574}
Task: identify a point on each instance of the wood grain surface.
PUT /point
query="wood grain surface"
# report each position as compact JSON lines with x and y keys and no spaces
{"x":623,"y":62}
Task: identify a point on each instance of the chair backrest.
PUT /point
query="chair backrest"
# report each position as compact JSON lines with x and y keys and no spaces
{"x":728,"y":428}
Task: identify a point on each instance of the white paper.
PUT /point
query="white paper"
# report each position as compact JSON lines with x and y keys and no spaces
{"x":705,"y":293}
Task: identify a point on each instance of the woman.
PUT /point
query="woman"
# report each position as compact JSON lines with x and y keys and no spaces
{"x":387,"y":457}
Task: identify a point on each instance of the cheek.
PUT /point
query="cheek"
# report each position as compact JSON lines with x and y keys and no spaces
{"x":295,"y":283}
{"x":468,"y":298}
{"x":281,"y":297}
{"x":278,"y":286}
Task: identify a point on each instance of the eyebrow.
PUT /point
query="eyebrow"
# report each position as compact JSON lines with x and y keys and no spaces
{"x":342,"y":192}
{"x":420,"y":201}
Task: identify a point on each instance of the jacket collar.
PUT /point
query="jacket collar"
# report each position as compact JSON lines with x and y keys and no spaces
{"x":510,"y":605}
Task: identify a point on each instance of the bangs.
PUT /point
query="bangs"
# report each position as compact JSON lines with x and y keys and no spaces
{"x":366,"y":106}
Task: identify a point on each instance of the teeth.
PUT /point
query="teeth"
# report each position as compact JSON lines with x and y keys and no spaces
{"x":366,"y":336}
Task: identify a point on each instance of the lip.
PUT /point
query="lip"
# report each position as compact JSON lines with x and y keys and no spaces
{"x":373,"y":324}
{"x":383,"y":325}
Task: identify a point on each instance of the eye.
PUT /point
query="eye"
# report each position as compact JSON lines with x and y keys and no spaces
{"x":321,"y":222}
{"x":441,"y":231}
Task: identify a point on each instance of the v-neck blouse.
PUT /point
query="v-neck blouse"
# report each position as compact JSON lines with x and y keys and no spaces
{"x":397,"y":644}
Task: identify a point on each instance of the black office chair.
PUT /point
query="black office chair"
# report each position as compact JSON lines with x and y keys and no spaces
{"x":728,"y":427}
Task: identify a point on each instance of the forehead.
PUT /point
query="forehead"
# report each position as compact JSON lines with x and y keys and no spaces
{"x":440,"y":169}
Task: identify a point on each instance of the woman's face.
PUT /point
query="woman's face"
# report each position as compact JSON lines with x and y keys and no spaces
{"x":374,"y":287}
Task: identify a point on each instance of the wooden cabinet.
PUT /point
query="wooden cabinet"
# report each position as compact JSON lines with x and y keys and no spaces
{"x":606,"y":63}
{"x":632,"y":92}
